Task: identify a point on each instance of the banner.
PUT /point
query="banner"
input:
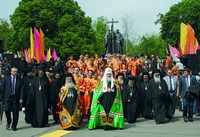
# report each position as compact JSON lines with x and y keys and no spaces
{"x":54,"y":54}
{"x":173,"y":51}
{"x":32,"y":43}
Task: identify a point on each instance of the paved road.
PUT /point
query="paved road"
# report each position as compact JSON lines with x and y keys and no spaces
{"x":142,"y":128}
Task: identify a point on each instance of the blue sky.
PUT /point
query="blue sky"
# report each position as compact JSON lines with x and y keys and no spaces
{"x":143,"y":12}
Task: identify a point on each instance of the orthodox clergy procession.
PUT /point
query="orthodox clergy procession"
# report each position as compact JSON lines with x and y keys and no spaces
{"x":62,"y":71}
{"x":103,"y":97}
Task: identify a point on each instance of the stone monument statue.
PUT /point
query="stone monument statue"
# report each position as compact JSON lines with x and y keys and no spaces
{"x":118,"y":42}
{"x":108,"y":43}
{"x":113,"y":42}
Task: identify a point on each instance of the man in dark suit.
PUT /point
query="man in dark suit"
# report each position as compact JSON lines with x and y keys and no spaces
{"x":12,"y":89}
{"x":188,"y":98}
{"x":173,"y":88}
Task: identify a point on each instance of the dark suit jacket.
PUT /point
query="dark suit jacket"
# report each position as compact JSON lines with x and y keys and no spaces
{"x":7,"y":88}
{"x":182,"y":84}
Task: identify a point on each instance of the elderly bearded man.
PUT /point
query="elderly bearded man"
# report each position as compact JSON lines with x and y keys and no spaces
{"x":158,"y":90}
{"x":68,"y":104}
{"x":106,"y":108}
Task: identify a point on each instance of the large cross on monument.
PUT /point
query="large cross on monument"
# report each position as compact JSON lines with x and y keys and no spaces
{"x":112,"y":32}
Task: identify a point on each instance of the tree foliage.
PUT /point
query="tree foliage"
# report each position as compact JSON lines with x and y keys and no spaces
{"x":100,"y":27}
{"x":64,"y":24}
{"x":4,"y":29}
{"x":186,"y":11}
{"x":151,"y":44}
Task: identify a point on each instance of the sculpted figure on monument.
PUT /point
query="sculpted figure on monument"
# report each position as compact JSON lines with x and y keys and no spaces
{"x":108,"y":43}
{"x":118,"y":42}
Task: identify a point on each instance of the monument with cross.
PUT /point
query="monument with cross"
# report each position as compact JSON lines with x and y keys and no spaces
{"x":113,"y":41}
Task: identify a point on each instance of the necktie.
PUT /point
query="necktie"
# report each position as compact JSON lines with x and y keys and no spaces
{"x":170,"y":80}
{"x":13,"y":85}
{"x":187,"y":84}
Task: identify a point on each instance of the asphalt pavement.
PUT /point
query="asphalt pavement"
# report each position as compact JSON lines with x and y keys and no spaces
{"x":142,"y":128}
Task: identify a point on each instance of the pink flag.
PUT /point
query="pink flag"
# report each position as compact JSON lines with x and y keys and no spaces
{"x":180,"y":51}
{"x":191,"y":49}
{"x":44,"y":58}
{"x":27,"y":55}
{"x":54,"y":54}
{"x":173,"y":51}
{"x":37,"y":45}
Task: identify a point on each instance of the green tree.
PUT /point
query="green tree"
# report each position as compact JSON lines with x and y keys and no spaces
{"x":4,"y":29}
{"x":64,"y":24}
{"x":186,"y":11}
{"x":151,"y":44}
{"x":100,"y":26}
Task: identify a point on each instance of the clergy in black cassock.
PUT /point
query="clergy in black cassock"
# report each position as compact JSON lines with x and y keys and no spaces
{"x":39,"y":101}
{"x":130,"y":99}
{"x":55,"y":89}
{"x":146,"y":106}
{"x":27,"y":80}
{"x":159,"y":93}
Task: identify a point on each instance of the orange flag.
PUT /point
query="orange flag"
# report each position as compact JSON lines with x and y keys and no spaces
{"x":23,"y":54}
{"x":41,"y":44}
{"x":48,"y":55}
{"x":190,"y":43}
{"x":29,"y":55}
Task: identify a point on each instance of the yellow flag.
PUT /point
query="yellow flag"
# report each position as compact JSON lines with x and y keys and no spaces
{"x":167,"y":51}
{"x":32,"y":43}
{"x":49,"y":54}
{"x":183,"y":37}
{"x":19,"y":56}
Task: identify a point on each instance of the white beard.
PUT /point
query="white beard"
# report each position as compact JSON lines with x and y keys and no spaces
{"x":131,"y":84}
{"x":157,"y":80}
{"x":121,"y":82}
{"x":69,"y":84}
{"x":108,"y":79}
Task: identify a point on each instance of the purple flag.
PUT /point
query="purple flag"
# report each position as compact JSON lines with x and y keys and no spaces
{"x":198,"y":47}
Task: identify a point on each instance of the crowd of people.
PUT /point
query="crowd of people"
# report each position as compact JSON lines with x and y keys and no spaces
{"x":107,"y":90}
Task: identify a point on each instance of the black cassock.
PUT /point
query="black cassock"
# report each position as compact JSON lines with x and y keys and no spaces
{"x":70,"y":100}
{"x":106,"y":100}
{"x":130,"y":108}
{"x":55,"y":89}
{"x":39,"y":101}
{"x":146,"y":106}
{"x":159,"y":95}
{"x":27,"y":84}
